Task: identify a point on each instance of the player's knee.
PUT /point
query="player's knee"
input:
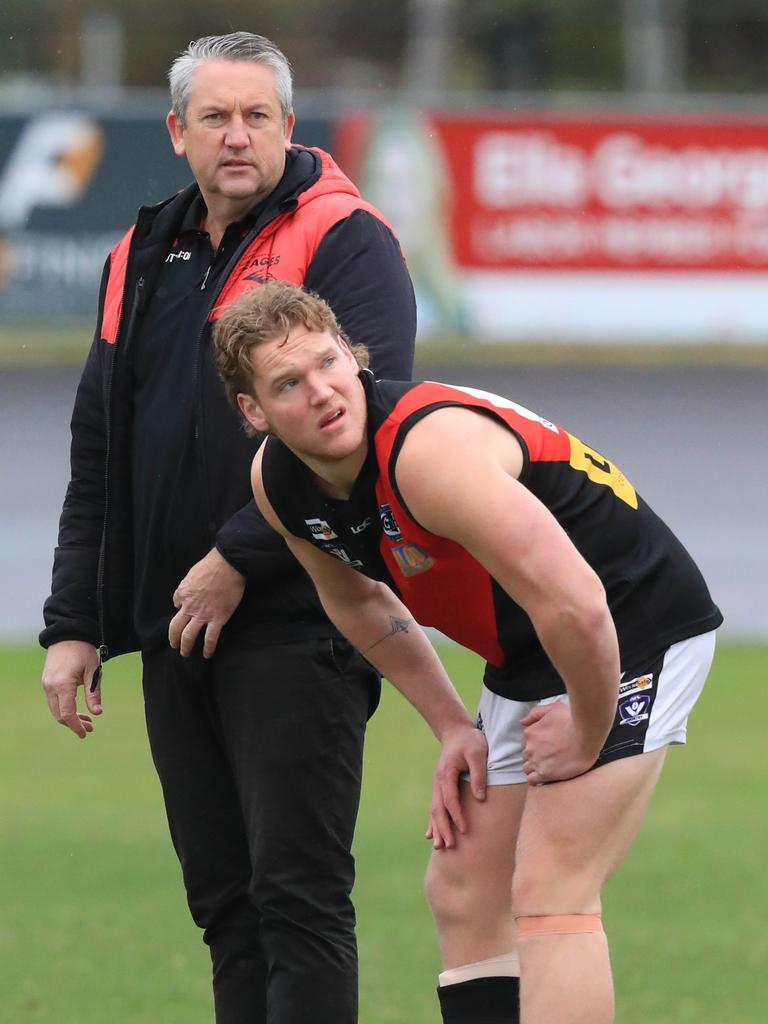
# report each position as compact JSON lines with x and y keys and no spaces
{"x":554,"y":888}
{"x":460,"y":898}
{"x":447,"y":893}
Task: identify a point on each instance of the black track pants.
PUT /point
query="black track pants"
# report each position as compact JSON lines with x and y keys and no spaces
{"x":259,"y":753}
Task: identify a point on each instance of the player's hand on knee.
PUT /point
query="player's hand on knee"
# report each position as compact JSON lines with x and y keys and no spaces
{"x":69,"y":664}
{"x":552,"y":751}
{"x":464,"y":751}
{"x":205,"y":599}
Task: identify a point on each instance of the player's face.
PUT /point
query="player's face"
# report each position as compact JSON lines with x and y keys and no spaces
{"x":308,"y":393}
{"x":234,"y":137}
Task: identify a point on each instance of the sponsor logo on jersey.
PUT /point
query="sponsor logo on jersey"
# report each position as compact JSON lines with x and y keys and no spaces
{"x":363,"y":526}
{"x":321,"y":530}
{"x":344,"y":556}
{"x":182,"y":254}
{"x":634,"y":710}
{"x":411,"y":559}
{"x":635,"y":685}
{"x":389,"y":523}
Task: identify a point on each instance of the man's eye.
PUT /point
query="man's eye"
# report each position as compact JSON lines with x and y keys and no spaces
{"x":215,"y":116}
{"x":329,"y":360}
{"x":287,"y":385}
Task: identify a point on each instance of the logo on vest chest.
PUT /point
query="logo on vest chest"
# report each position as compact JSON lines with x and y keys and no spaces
{"x":412,"y":559}
{"x":321,"y":530}
{"x":389,"y":523}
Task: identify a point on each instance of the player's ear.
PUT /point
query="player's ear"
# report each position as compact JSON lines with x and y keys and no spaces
{"x":251,"y":410}
{"x":346,"y":348}
{"x":176,"y":131}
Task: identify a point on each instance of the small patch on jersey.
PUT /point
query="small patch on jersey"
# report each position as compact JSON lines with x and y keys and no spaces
{"x":321,"y":530}
{"x":411,"y":559}
{"x":362,"y":526}
{"x":635,"y":685}
{"x":634,"y":710}
{"x":389,"y":523}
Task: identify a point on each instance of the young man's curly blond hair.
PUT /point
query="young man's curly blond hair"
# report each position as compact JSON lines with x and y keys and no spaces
{"x":266,"y":314}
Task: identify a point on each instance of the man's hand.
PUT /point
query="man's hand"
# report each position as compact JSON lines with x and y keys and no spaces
{"x":69,"y":664}
{"x":464,"y":750}
{"x":552,"y":751}
{"x":206,"y":599}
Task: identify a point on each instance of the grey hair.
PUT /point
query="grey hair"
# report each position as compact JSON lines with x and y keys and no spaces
{"x":235,"y":46}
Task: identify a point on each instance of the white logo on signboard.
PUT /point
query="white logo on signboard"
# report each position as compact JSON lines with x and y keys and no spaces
{"x":51,"y":165}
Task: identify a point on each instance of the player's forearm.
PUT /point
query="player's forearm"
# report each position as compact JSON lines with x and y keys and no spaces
{"x":382,"y":629}
{"x":582,"y":645}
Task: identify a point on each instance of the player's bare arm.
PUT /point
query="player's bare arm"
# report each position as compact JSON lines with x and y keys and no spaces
{"x":374,"y":619}
{"x":523,"y":547}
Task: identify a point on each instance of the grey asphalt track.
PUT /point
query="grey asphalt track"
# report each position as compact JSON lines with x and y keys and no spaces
{"x":692,"y":440}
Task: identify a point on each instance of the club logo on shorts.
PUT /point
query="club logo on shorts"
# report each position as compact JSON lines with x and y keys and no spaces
{"x":411,"y":559}
{"x":321,"y":530}
{"x":389,"y":523}
{"x":479,"y":722}
{"x":634,"y":710}
{"x":636,"y":685}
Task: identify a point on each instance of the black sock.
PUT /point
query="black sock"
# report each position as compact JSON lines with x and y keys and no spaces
{"x":481,"y":1001}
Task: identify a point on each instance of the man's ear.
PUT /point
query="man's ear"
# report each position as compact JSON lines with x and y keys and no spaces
{"x":176,"y":131}
{"x":251,"y":410}
{"x":290,"y":121}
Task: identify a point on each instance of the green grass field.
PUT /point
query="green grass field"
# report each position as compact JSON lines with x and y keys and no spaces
{"x":94,"y":927}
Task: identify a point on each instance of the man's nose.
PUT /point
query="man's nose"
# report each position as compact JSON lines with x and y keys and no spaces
{"x":237,"y":134}
{"x":319,"y":390}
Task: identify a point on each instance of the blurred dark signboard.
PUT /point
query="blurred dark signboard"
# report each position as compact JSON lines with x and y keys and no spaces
{"x":70,"y":185}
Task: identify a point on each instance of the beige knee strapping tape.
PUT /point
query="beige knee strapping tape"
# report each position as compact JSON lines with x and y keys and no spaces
{"x":558,"y":924}
{"x":505,"y":966}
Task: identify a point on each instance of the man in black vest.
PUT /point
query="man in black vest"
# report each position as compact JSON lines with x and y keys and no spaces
{"x":466,"y":511}
{"x":257,"y":733}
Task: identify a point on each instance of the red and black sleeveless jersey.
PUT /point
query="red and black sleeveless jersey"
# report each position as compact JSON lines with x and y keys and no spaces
{"x":656,"y":593}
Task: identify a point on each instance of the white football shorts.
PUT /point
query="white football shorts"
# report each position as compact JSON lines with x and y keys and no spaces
{"x":652,"y":710}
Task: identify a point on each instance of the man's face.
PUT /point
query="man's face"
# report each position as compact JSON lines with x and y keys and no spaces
{"x":234,"y":137}
{"x":309,"y":395}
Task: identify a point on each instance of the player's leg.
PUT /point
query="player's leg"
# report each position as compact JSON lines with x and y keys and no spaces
{"x":574,"y":835}
{"x":469,"y":887}
{"x":294,"y":716}
{"x":206,"y":826}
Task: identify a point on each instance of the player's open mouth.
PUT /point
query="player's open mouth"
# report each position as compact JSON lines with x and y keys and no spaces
{"x":330,"y":420}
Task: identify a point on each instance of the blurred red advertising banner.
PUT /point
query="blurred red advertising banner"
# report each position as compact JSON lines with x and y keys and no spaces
{"x":629,"y":193}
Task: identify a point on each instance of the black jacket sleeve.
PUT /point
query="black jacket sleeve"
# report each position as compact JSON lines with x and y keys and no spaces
{"x":359,"y":270}
{"x":71,"y":612}
{"x":251,"y":546}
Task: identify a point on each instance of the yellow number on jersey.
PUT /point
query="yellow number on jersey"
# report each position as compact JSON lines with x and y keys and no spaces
{"x":601,"y":471}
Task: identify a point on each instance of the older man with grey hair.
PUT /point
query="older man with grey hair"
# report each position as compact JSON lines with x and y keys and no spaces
{"x":256,"y":711}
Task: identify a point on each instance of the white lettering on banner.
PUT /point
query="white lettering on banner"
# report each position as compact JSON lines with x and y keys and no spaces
{"x":60,"y":259}
{"x":629,"y":172}
{"x":673,"y":240}
{"x":515,"y":168}
{"x":522,"y":167}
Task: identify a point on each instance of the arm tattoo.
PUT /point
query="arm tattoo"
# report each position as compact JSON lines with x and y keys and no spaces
{"x":396,"y":626}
